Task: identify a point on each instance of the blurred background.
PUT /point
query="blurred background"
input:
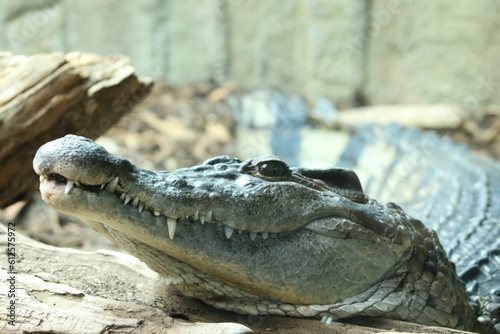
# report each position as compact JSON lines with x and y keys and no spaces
{"x":352,"y":52}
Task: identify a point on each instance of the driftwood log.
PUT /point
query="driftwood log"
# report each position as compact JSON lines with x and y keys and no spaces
{"x":45,"y":96}
{"x":46,"y":289}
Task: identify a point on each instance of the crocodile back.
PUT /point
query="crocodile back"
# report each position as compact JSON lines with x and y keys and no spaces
{"x":449,"y":188}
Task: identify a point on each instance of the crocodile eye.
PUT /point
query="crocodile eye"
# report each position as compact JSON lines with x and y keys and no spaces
{"x":267,"y":168}
{"x":273,"y":168}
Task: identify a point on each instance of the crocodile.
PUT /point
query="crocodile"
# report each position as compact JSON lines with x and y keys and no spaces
{"x":259,"y":237}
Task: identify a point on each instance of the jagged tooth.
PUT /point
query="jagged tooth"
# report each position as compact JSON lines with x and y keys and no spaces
{"x":111,"y":186}
{"x":253,"y":235}
{"x":135,"y":202}
{"x":122,"y":197}
{"x":69,"y":186}
{"x":172,"y":225}
{"x":42,"y":178}
{"x":77,"y":183}
{"x":208,"y":217}
{"x":202,"y":219}
{"x":156,"y":212}
{"x":239,"y":231}
{"x":103,"y":185}
{"x":228,"y":231}
{"x":141,"y":206}
{"x":127,"y":199}
{"x":265,"y":235}
{"x":196,"y":214}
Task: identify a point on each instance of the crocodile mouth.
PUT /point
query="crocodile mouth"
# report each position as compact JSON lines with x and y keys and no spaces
{"x":54,"y":187}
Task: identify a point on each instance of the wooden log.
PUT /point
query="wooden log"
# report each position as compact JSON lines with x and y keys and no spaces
{"x":45,"y":96}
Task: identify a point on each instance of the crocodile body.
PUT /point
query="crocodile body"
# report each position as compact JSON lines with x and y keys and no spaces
{"x":450,"y":189}
{"x":260,"y":237}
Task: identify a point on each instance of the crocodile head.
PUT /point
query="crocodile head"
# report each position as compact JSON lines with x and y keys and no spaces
{"x":259,"y":237}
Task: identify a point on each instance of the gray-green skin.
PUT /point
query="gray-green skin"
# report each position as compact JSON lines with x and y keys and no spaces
{"x":275,"y":240}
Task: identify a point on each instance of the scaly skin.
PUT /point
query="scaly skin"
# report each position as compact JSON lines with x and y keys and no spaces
{"x":258,"y":237}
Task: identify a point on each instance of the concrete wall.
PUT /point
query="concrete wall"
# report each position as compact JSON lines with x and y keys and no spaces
{"x":389,"y":51}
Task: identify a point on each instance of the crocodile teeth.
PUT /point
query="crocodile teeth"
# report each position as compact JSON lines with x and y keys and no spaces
{"x":69,"y":186}
{"x":202,"y":219}
{"x":127,"y":199}
{"x":111,"y":186}
{"x":265,"y":235}
{"x":156,"y":212}
{"x":253,"y":235}
{"x":141,"y":206}
{"x":208,"y":218}
{"x":196,"y":214}
{"x":122,"y":196}
{"x":172,"y":225}
{"x":135,"y":202}
{"x":228,"y":231}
